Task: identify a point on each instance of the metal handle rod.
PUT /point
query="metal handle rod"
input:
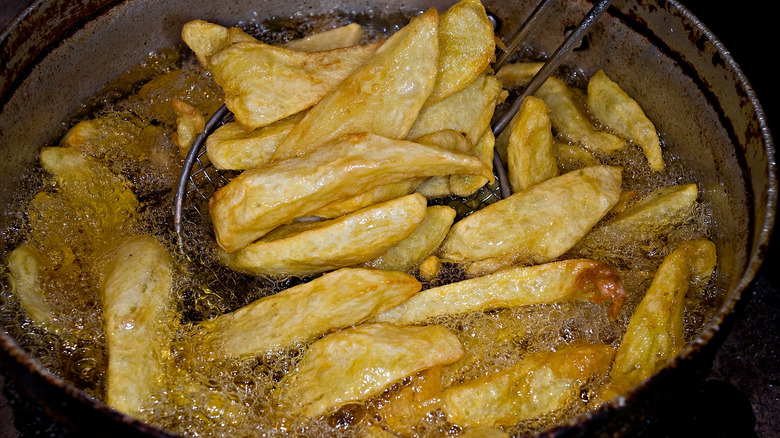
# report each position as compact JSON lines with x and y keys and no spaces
{"x":547,"y":69}
{"x":528,"y":26}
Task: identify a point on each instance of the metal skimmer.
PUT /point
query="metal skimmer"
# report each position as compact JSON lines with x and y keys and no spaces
{"x":199,"y":179}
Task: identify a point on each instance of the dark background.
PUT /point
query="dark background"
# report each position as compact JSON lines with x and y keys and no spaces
{"x":740,"y":397}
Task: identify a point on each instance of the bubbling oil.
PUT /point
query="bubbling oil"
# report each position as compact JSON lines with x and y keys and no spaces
{"x":205,"y":395}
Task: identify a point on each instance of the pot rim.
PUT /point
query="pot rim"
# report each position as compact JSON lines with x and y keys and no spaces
{"x":14,"y":352}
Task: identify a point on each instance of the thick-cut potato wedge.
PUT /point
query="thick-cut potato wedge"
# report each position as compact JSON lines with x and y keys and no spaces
{"x":538,"y":224}
{"x":569,"y":156}
{"x":357,"y":363}
{"x":613,"y":107}
{"x":540,"y":383}
{"x":189,"y":123}
{"x":265,"y":83}
{"x":370,"y":197}
{"x":467,"y":185}
{"x":570,"y":121}
{"x":259,"y":200}
{"x":467,"y":46}
{"x":333,"y":301}
{"x":139,"y":310}
{"x":206,"y":39}
{"x":231,"y":147}
{"x":655,"y":331}
{"x":553,"y":282}
{"x":343,"y":36}
{"x":450,"y":139}
{"x":518,"y":74}
{"x":528,"y":142}
{"x":25,"y":264}
{"x":646,"y":218}
{"x":383,"y":96}
{"x":468,"y":111}
{"x":416,"y":396}
{"x":336,"y":243}
{"x":424,"y":241}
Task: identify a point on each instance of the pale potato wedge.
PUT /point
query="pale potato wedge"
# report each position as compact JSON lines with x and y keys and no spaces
{"x":654,"y":335}
{"x":468,"y":111}
{"x":467,"y":46}
{"x":518,"y":74}
{"x":265,"y":83}
{"x":570,"y":121}
{"x":553,"y":282}
{"x":383,"y":96}
{"x":540,"y":383}
{"x":357,"y":363}
{"x":421,"y":243}
{"x":333,"y":301}
{"x":370,"y":197}
{"x":528,"y":142}
{"x":538,"y":224}
{"x":402,"y":409}
{"x":231,"y":147}
{"x":336,"y":38}
{"x":323,"y":246}
{"x":450,"y":139}
{"x":206,"y":39}
{"x":571,"y":157}
{"x":189,"y":124}
{"x":646,"y":218}
{"x":25,"y":265}
{"x":139,"y":308}
{"x":261,"y":199}
{"x":467,"y":185}
{"x":613,"y":107}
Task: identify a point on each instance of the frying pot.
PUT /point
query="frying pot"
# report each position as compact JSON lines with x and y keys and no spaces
{"x":59,"y":52}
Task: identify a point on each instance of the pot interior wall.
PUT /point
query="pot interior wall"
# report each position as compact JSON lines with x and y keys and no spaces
{"x":693,"y":92}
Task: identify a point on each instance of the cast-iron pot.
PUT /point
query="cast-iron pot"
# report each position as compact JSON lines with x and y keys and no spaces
{"x":57,"y":53}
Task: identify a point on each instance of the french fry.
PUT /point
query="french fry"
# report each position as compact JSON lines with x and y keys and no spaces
{"x":139,"y":310}
{"x":466,"y":46}
{"x":370,"y":197}
{"x":540,"y":383}
{"x":424,"y":241}
{"x":265,"y":83}
{"x":206,"y":39}
{"x":538,"y":224}
{"x":25,"y":264}
{"x":231,"y":147}
{"x":261,"y":199}
{"x":357,"y":363}
{"x":339,"y":37}
{"x":467,"y":185}
{"x":612,"y":106}
{"x":528,"y":142}
{"x":517,"y":286}
{"x":383,"y":96}
{"x":450,"y":139}
{"x":189,"y":123}
{"x":333,"y":301}
{"x":655,"y":331}
{"x":518,"y":74}
{"x":572,"y":157}
{"x":416,"y":396}
{"x":345,"y":241}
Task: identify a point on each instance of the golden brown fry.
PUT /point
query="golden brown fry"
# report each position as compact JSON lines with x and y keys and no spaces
{"x":265,"y":83}
{"x":538,"y":224}
{"x":343,"y":36}
{"x":540,"y":383}
{"x":612,"y":106}
{"x":572,"y":157}
{"x":259,"y":200}
{"x":25,"y":264}
{"x":655,"y":332}
{"x":528,"y":142}
{"x":370,"y":197}
{"x":206,"y":39}
{"x":349,"y":240}
{"x":430,"y":268}
{"x":424,"y":240}
{"x":571,"y":122}
{"x":518,"y":74}
{"x":468,"y":111}
{"x":189,"y":123}
{"x":139,"y":309}
{"x":333,"y":301}
{"x":231,"y":147}
{"x":466,"y":45}
{"x":517,"y":286}
{"x":407,"y":404}
{"x":357,"y":363}
{"x":383,"y":96}
{"x":467,"y":185}
{"x":450,"y":139}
